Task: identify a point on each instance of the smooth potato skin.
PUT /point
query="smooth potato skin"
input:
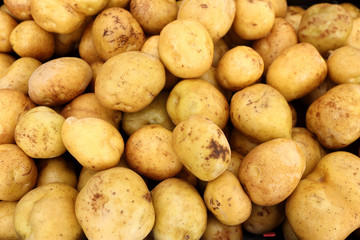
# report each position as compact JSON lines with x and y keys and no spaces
{"x":7,"y":210}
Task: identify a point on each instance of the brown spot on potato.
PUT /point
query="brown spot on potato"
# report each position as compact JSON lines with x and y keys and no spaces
{"x":147,"y":196}
{"x":217,"y":150}
{"x":186,"y":237}
{"x":203,"y":5}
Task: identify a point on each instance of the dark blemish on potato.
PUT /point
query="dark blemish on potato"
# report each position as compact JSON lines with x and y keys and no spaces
{"x":251,"y":1}
{"x":186,"y":237}
{"x":266,"y":210}
{"x":113,"y":193}
{"x":147,"y":196}
{"x":260,"y":214}
{"x":217,"y":150}
{"x":203,"y":5}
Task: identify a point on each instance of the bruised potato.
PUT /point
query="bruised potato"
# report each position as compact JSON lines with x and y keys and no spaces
{"x":7,"y":229}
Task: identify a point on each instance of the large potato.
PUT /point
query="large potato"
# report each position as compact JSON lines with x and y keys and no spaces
{"x":7,"y":229}
{"x":20,"y":9}
{"x":7,"y":24}
{"x":215,"y":230}
{"x":115,"y":204}
{"x":180,"y":212}
{"x":202,"y":147}
{"x":325,"y":205}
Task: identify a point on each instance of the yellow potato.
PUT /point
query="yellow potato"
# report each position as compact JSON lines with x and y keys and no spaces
{"x":352,"y":9}
{"x":294,"y":15}
{"x":7,"y":24}
{"x":186,"y":175}
{"x":216,"y":230}
{"x":118,"y":3}
{"x":241,"y":143}
{"x":7,"y":229}
{"x":220,"y":48}
{"x":319,"y":91}
{"x":5,"y":61}
{"x":88,"y":7}
{"x":280,"y":7}
{"x":20,"y":9}
{"x":354,"y":38}
{"x":235,"y":162}
{"x":84,"y":176}
{"x":87,"y":49}
{"x":210,"y":77}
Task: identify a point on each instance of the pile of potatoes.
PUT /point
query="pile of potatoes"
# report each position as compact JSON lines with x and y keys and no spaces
{"x":191,"y":119}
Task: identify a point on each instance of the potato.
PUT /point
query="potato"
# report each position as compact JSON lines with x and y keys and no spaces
{"x":87,"y":105}
{"x":38,"y":133}
{"x":94,"y":143}
{"x":293,"y":114}
{"x":87,"y":49}
{"x":13,"y":103}
{"x":7,"y":229}
{"x":84,"y":176}
{"x":216,"y":230}
{"x":7,"y":24}
{"x":215,"y":15}
{"x":225,"y":198}
{"x":287,"y":231}
{"x":235,"y":162}
{"x":294,"y":15}
{"x":48,"y":212}
{"x":17,"y":75}
{"x":210,"y":77}
{"x":353,"y":10}
{"x":281,"y":37}
{"x":88,"y":7}
{"x":95,"y":67}
{"x":241,"y":143}
{"x":326,"y":26}
{"x":253,"y":19}
{"x":319,"y":91}
{"x":330,"y":191}
{"x":185,"y":54}
{"x":186,"y":175}
{"x":115,"y":204}
{"x":354,"y":38}
{"x":271,"y":171}
{"x":261,"y":113}
{"x":152,"y":15}
{"x":344,"y":65}
{"x":202,"y":147}
{"x":280,"y":7}
{"x":180,"y":212}
{"x":118,"y":3}
{"x":5,"y":61}
{"x":115,"y":31}
{"x":220,"y":48}
{"x":59,"y":81}
{"x":132,"y":87}
{"x":197,"y":97}
{"x":18,"y":173}
{"x":149,"y":152}
{"x":240,"y":67}
{"x":264,"y":219}
{"x":56,"y":170}
{"x":20,"y":9}
{"x":333,"y":117}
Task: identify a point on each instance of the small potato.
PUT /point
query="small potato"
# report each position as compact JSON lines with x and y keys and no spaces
{"x":261,"y":113}
{"x":180,"y":212}
{"x":7,"y":24}
{"x":210,"y":77}
{"x":94,"y":143}
{"x":253,"y":19}
{"x":271,"y":171}
{"x":13,"y":104}
{"x":294,"y":15}
{"x":88,"y":7}
{"x":87,"y":49}
{"x":354,"y":38}
{"x":352,"y":9}
{"x":220,"y":48}
{"x":95,"y":67}
{"x":18,"y":173}
{"x":115,"y":31}
{"x":5,"y":61}
{"x":241,"y":143}
{"x":87,"y":105}
{"x":56,"y":16}
{"x":202,"y":147}
{"x":20,"y":9}
{"x":7,"y":229}
{"x":319,"y":91}
{"x":215,"y":15}
{"x":225,"y":198}
{"x":186,"y":175}
{"x":334,"y":116}
{"x":115,"y":204}
{"x":59,"y":81}
{"x":280,"y":7}
{"x":17,"y":75}
{"x":56,"y":170}
{"x":235,"y":162}
{"x":240,"y":67}
{"x":48,"y":212}
{"x":297,"y":71}
{"x":344,"y":65}
{"x":38,"y":133}
{"x":185,"y":54}
{"x":264,"y":219}
{"x":215,"y":230}
{"x":132,"y":87}
{"x":197,"y":97}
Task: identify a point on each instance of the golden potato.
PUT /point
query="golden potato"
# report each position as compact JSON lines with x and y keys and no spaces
{"x":118,"y":3}
{"x":18,"y":173}
{"x":216,"y":16}
{"x":294,"y":15}
{"x":352,"y":9}
{"x":38,"y":133}
{"x":13,"y":104}
{"x":59,"y":81}
{"x":210,"y":77}
{"x":354,"y":38}
{"x":220,"y":48}
{"x":261,"y":112}
{"x":150,"y":46}
{"x":333,"y":117}
{"x":7,"y":229}
{"x":235,"y":162}
{"x":271,"y":171}
{"x":330,"y":192}
{"x":186,"y":175}
{"x":132,"y":87}
{"x":115,"y":204}
{"x":216,"y":230}
{"x":185,"y":54}
{"x":88,"y":7}
{"x":20,"y":9}
{"x":87,"y":49}
{"x":240,"y":67}
{"x":241,"y":143}
{"x":5,"y":61}
{"x":84,"y":176}
{"x":344,"y":65}
{"x":115,"y":31}
{"x":197,"y":97}
{"x":7,"y":24}
{"x":319,"y":91}
{"x":17,"y":75}
{"x":180,"y":212}
{"x":94,"y":143}
{"x":280,"y":7}
{"x":202,"y":147}
{"x":95,"y":67}
{"x":48,"y":212}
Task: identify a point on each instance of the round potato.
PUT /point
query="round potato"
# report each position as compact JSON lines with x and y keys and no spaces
{"x":7,"y":229}
{"x":48,"y":212}
{"x":261,"y":113}
{"x":271,"y":171}
{"x":354,"y":38}
{"x":216,"y":230}
{"x":38,"y":133}
{"x":202,"y":147}
{"x":94,"y":143}
{"x":115,"y":31}
{"x":5,"y":61}
{"x":115,"y":204}
{"x":59,"y":81}
{"x":18,"y":173}
{"x":7,"y":24}
{"x":20,"y":9}
{"x":294,"y":15}
{"x":87,"y":49}
{"x":88,"y":7}
{"x":184,"y":53}
{"x":180,"y":212}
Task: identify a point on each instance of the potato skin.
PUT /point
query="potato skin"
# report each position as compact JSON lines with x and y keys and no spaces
{"x":7,"y":230}
{"x":20,"y":9}
{"x":7,"y":24}
{"x":216,"y":230}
